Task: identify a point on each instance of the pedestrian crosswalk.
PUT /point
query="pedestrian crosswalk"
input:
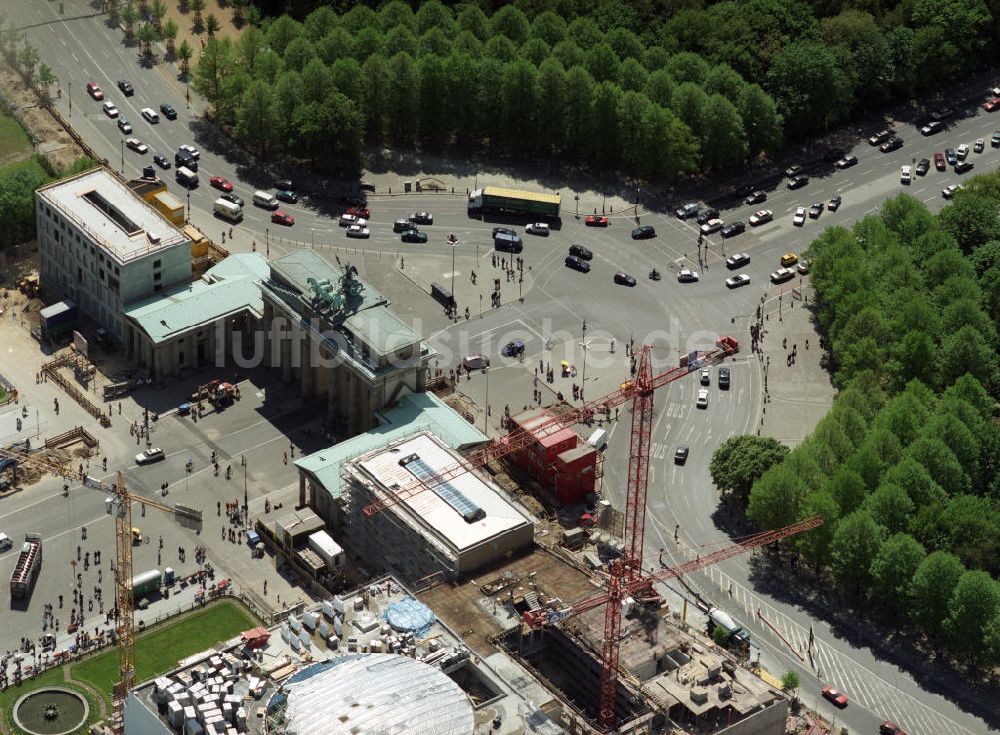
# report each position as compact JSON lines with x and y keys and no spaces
{"x":863,"y":686}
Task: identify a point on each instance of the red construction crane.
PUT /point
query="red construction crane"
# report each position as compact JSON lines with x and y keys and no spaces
{"x":519,"y":439}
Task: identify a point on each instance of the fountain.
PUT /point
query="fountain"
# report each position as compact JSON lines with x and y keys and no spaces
{"x":51,"y":711}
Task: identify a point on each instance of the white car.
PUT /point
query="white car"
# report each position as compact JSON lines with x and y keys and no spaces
{"x":713,"y":225}
{"x":803,"y":267}
{"x":192,"y":150}
{"x":962,"y":151}
{"x":347,"y":220}
{"x":741,"y":279}
{"x":537,"y":228}
{"x":686,"y":275}
{"x":979,"y":146}
{"x":110,"y":110}
{"x":949,"y":191}
{"x":782,"y":274}
{"x":702,"y":401}
{"x":799,"y":218}
{"x":905,"y":175}
{"x":136,"y":145}
{"x":762,"y":217}
{"x":5,"y":542}
{"x":358,"y":231}
{"x":153,"y":454}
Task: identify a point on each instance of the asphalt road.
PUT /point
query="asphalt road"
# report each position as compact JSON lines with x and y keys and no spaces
{"x":673,"y":318}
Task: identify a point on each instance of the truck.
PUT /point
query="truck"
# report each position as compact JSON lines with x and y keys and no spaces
{"x":186,"y":177}
{"x":147,"y":582}
{"x":496,"y":200}
{"x":228,"y":210}
{"x":58,"y":319}
{"x":170,"y":207}
{"x":722,"y":619}
{"x":29,"y":563}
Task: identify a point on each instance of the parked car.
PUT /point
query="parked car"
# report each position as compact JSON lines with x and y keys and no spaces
{"x":963,"y":152}
{"x":724,"y":378}
{"x":706,"y":376}
{"x":577,"y":264}
{"x":939,"y":162}
{"x":593,"y":220}
{"x":124,"y":125}
{"x":834,"y":204}
{"x":347,"y":219}
{"x":712,"y":226}
{"x":581,"y":252}
{"x":365,"y":213}
{"x":95,"y":91}
{"x":161,"y":161}
{"x":761,"y":217}
{"x":992,"y":104}
{"x":513,"y":348}
{"x":949,"y":191}
{"x":880,"y":137}
{"x":789,"y":259}
{"x":645,"y":232}
{"x":799,"y":218}
{"x":686,"y":275}
{"x":537,"y":228}
{"x":995,"y":139}
{"x":681,"y":454}
{"x":890,"y":728}
{"x":126,"y":87}
{"x":168,"y":111}
{"x":402,"y":225}
{"x":702,"y":401}
{"x":934,"y":126}
{"x":287,"y":196}
{"x":624,"y":279}
{"x":905,"y":174}
{"x":503,"y":231}
{"x":756,"y":197}
{"x":282,"y":218}
{"x":736,"y":260}
{"x":153,"y":454}
{"x":803,"y":267}
{"x":979,"y":146}
{"x":475,"y":362}
{"x":415,"y":236}
{"x":962,"y":166}
{"x":358,"y":231}
{"x":733,"y":229}
{"x":741,"y":279}
{"x":422,"y":218}
{"x":893,"y":144}
{"x":707,"y":216}
{"x":792,"y":171}
{"x":949,"y":154}
{"x":816,"y":210}
{"x":109,"y":109}
{"x":220,"y":183}
{"x":838,"y":698}
{"x":686,"y":211}
{"x":847,"y":162}
{"x":923,"y":167}
{"x":797,"y":182}
{"x":195,"y":153}
{"x":782,"y":274}
{"x":136,"y":145}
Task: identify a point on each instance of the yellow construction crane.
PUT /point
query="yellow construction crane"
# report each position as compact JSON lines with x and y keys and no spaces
{"x":120,"y":504}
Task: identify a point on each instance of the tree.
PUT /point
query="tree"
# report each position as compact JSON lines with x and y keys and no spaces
{"x":212,"y":25}
{"x":128,"y":16}
{"x":46,"y":79}
{"x":847,"y":488}
{"x":893,"y":570}
{"x":395,"y":13}
{"x":932,"y":588}
{"x":688,"y":103}
{"x":509,"y":21}
{"x":472,"y":18}
{"x":741,"y":460}
{"x":214,"y":63}
{"x":790,"y":682}
{"x":257,"y":118}
{"x":158,"y":9}
{"x":282,"y":31}
{"x":855,"y":546}
{"x":815,"y":545}
{"x":184,"y":53}
{"x":724,"y":139}
{"x":146,"y":34}
{"x":913,"y":477}
{"x":535,"y":51}
{"x":238,"y":18}
{"x":602,"y":63}
{"x":973,"y":526}
{"x":550,"y":116}
{"x":197,"y":7}
{"x":404,"y":85}
{"x":462,"y":79}
{"x":568,"y":54}
{"x":660,"y":87}
{"x":968,"y":351}
{"x":687,"y":67}
{"x":776,"y":498}
{"x":720,"y":636}
{"x":435,"y":125}
{"x":811,"y":90}
{"x":971,"y":219}
{"x":890,"y":506}
{"x":972,"y":607}
{"x":298,"y":53}
{"x":606,"y":116}
{"x":169,"y":34}
{"x":433,"y":14}
{"x":549,"y":27}
{"x":585,"y":32}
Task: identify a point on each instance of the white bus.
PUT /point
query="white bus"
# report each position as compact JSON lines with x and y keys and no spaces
{"x":228,"y":210}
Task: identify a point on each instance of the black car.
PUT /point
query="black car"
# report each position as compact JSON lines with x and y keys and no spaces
{"x":833,"y":155}
{"x":624,"y":279}
{"x":168,"y":111}
{"x":126,"y":87}
{"x":893,"y":144}
{"x":943,"y":114}
{"x":834,"y":204}
{"x":816,"y":210}
{"x":580,"y":252}
{"x":368,"y":186}
{"x":923,"y":167}
{"x":962,"y":166}
{"x":707,"y":215}
{"x":161,"y":161}
{"x":283,"y":185}
{"x":643,"y":233}
{"x":756,"y":197}
{"x":847,"y":162}
{"x":230,"y":197}
{"x":724,"y":378}
{"x":744,"y":191}
{"x":577,"y":264}
{"x":681,"y":454}
{"x":354,"y":200}
{"x":797,"y":182}
{"x":793,"y":170}
{"x":513,"y":348}
{"x":183,"y":158}
{"x":732,"y":229}
{"x":413,"y":236}
{"x":286,"y":195}
{"x":934,"y":126}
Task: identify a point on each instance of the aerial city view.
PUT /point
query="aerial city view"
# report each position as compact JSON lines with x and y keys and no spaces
{"x":384,"y":366}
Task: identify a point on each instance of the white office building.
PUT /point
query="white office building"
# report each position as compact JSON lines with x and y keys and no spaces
{"x":102,"y":246}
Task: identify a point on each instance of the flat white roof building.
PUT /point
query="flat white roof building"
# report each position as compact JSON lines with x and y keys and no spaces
{"x":454,"y":527}
{"x":103,"y":246}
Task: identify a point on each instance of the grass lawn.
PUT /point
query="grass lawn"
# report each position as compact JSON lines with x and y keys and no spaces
{"x":52,"y":677}
{"x":30,"y":163}
{"x":160,"y":650}
{"x":14,"y":142}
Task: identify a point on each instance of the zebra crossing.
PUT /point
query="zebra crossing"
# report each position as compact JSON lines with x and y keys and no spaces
{"x":861,"y":685}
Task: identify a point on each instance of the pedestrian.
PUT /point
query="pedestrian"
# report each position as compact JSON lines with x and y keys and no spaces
{"x":285,"y":457}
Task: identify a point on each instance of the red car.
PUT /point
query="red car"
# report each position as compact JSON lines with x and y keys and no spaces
{"x":282,"y":218}
{"x":592,"y":220}
{"x":220,"y":183}
{"x":362,"y":212}
{"x":991,"y":105}
{"x":939,"y":163}
{"x":890,"y":728}
{"x":838,"y":698}
{"x":95,"y":91}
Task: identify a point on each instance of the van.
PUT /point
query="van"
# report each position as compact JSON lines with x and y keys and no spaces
{"x":228,"y":210}
{"x":508,"y":242}
{"x":151,"y":115}
{"x":598,"y":439}
{"x":186,"y":177}
{"x":265,"y":200}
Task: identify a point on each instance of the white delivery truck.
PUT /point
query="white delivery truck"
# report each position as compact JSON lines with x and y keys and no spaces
{"x":228,"y":210}
{"x":186,"y":177}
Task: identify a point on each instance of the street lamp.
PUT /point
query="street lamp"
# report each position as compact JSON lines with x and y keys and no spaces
{"x":486,"y":413}
{"x":453,"y":241}
{"x":71,"y":99}
{"x":189,"y":205}
{"x":267,"y":242}
{"x":123,"y":156}
{"x":585,"y":345}
{"x":246,"y":500}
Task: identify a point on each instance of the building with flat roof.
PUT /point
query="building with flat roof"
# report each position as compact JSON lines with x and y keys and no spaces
{"x":450,"y":529}
{"x":196,"y":323}
{"x":102,"y":246}
{"x":333,"y":334}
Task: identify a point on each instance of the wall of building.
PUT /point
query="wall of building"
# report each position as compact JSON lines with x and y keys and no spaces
{"x":768,"y":721}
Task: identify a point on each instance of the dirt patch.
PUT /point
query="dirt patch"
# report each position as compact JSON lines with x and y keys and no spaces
{"x":185,"y":23}
{"x":50,"y":138}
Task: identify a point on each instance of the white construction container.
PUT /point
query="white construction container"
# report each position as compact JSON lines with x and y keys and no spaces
{"x":328,"y":549}
{"x":175,"y":715}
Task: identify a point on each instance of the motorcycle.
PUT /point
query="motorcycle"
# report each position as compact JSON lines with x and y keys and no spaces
{"x":654,"y":274}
